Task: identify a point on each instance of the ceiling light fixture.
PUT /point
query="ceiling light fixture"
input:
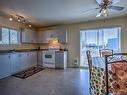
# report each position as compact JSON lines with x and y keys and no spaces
{"x":11,"y":18}
{"x":20,"y":19}
{"x":104,"y":12}
{"x":30,"y":25}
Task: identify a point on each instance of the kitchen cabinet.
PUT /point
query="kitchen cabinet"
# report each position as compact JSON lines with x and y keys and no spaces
{"x":5,"y":65}
{"x":23,"y":60}
{"x":33,"y":57}
{"x":43,"y":36}
{"x":39,"y":60}
{"x":12,"y":63}
{"x":61,"y":59}
{"x":29,"y":36}
{"x":61,"y":34}
{"x":18,"y":62}
{"x":15,"y":63}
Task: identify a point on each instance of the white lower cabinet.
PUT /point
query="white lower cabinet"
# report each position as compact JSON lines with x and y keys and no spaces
{"x":12,"y":63}
{"x":31,"y":59}
{"x":5,"y":65}
{"x":39,"y":56}
{"x":61,"y":59}
{"x":23,"y":60}
{"x":33,"y":56}
{"x":15,"y":63}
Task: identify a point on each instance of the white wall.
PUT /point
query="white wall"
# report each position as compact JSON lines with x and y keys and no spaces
{"x":74,"y":34}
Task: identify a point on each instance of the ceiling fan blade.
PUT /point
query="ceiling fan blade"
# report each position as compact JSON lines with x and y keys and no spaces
{"x":99,"y":1}
{"x":98,"y":15}
{"x":118,"y":8}
{"x":90,"y":10}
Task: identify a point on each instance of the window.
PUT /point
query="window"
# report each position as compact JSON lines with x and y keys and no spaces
{"x":5,"y":36}
{"x":96,"y":39}
{"x":14,"y":37}
{"x":9,"y":36}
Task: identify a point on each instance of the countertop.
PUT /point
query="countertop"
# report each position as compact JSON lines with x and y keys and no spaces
{"x":24,"y":50}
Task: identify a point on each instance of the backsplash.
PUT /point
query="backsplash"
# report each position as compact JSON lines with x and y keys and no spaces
{"x":17,"y":47}
{"x":45,"y":46}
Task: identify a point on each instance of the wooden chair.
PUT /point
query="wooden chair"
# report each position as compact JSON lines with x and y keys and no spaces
{"x":89,"y":58}
{"x":104,"y":52}
{"x":118,"y":63}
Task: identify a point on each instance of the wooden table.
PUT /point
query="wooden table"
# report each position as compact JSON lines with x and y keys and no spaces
{"x":98,"y":76}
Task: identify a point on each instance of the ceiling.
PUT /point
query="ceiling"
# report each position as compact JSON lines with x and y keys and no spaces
{"x":53,"y":12}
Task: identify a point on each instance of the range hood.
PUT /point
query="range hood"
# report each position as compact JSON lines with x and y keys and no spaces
{"x":52,"y":39}
{"x":53,"y":43}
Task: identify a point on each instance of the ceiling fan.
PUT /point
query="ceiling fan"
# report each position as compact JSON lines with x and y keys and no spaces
{"x":105,"y":5}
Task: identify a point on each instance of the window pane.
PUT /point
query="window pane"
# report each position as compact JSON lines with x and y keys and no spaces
{"x":97,"y":39}
{"x":14,"y":37}
{"x":5,"y":36}
{"x":111,"y":38}
{"x":92,"y":41}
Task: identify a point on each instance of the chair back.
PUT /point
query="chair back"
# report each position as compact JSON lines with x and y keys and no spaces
{"x":105,"y":52}
{"x":89,"y":58}
{"x":118,"y":64}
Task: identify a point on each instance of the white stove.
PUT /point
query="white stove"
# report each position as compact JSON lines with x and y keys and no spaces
{"x":49,"y":58}
{"x":49,"y":55}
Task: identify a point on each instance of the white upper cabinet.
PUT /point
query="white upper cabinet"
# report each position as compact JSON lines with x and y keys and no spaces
{"x":29,"y":36}
{"x":61,"y":34}
{"x":42,"y":37}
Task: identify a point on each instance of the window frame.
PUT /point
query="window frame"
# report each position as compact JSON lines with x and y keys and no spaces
{"x":18,"y":36}
{"x":99,"y":28}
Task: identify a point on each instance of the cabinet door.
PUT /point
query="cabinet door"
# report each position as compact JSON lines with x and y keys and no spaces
{"x":61,"y":60}
{"x":5,"y":65}
{"x":15,"y":63}
{"x":28,"y":60}
{"x":33,"y":56}
{"x":39,"y":56}
{"x":57,"y":62}
{"x":34,"y":37}
{"x":29,"y":36}
{"x":23,"y":61}
{"x":26,"y":36}
{"x":42,"y":36}
{"x":61,"y":34}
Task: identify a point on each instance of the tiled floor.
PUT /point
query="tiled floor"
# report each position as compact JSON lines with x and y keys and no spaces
{"x":48,"y":82}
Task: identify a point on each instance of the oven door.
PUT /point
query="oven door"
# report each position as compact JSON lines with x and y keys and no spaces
{"x":49,"y":57}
